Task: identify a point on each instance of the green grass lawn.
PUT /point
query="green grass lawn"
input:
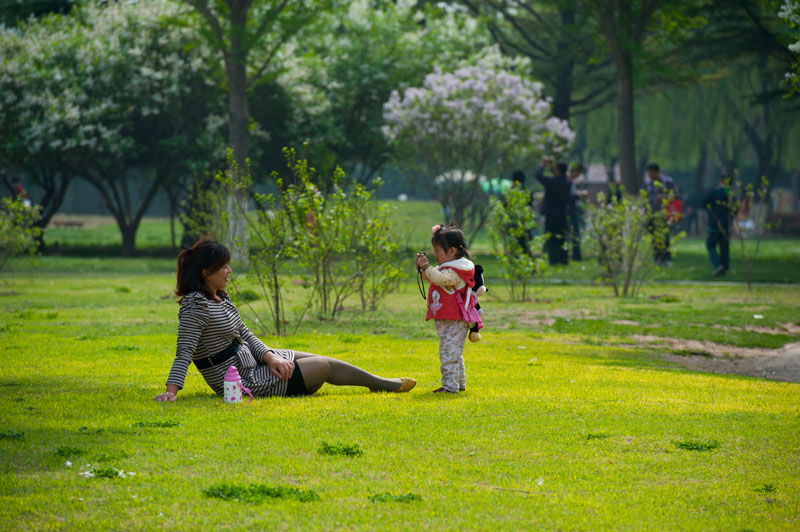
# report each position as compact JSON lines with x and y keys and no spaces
{"x":564,"y":425}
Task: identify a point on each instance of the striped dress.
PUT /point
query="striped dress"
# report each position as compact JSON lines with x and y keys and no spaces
{"x":206,"y":327}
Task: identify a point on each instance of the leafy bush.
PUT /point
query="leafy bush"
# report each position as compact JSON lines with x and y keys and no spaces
{"x":18,"y":233}
{"x":622,"y":243}
{"x":340,"y":244}
{"x":510,"y":228}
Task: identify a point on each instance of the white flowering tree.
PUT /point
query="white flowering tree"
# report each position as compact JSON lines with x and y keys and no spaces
{"x":378,"y":47}
{"x":477,"y":121}
{"x":790,"y":11}
{"x":112,"y":94}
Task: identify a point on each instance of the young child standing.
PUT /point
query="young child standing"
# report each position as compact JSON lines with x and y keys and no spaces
{"x":450,"y":304}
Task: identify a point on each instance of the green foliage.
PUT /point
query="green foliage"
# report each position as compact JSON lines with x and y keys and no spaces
{"x":696,"y":445}
{"x":790,"y":11}
{"x":620,"y":239}
{"x":18,"y":232}
{"x":388,"y":497}
{"x":11,"y":435}
{"x":340,"y":243}
{"x":340,"y":449}
{"x":753,"y":202}
{"x":66,"y":451}
{"x":377,"y":47}
{"x":247,"y":295}
{"x":766,"y":488}
{"x":510,"y":227}
{"x":158,"y":424}
{"x":105,"y":472}
{"x":255,"y":493}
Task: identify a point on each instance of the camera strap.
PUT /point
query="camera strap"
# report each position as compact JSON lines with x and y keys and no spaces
{"x":421,"y":284}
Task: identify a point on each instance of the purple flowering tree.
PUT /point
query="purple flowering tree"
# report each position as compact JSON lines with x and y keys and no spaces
{"x":462,"y":127}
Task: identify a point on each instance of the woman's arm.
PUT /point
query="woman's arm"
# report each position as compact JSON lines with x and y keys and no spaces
{"x":192,"y":320}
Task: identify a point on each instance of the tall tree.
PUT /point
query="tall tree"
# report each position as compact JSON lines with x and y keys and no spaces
{"x":643,"y":36}
{"x":563,"y":44}
{"x":375,"y":48}
{"x":248,"y":34}
{"x":104,"y":94}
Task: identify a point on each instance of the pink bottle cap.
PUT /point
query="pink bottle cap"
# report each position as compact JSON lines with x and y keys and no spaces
{"x":232,"y":375}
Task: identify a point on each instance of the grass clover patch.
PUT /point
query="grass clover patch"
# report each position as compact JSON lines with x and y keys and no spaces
{"x":695,"y":445}
{"x":388,"y":497}
{"x":125,"y":348}
{"x":340,"y":449}
{"x":67,"y":452}
{"x":106,"y":472}
{"x":765,"y":488}
{"x":597,"y":436}
{"x":11,"y":435}
{"x":157,"y":424}
{"x":254,"y":493}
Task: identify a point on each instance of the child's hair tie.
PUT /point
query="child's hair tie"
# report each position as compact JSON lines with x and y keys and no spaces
{"x":435,"y":229}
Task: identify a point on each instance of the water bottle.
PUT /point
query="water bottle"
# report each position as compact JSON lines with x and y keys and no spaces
{"x":233,"y":387}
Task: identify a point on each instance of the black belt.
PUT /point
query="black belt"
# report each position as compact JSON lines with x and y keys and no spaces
{"x":222,"y":356}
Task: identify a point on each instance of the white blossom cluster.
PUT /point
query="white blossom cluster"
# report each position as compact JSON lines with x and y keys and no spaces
{"x":477,"y":118}
{"x":790,"y":11}
{"x":72,"y":83}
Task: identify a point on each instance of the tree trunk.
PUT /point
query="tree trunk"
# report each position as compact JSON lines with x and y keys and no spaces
{"x":128,"y":232}
{"x":563,"y":86}
{"x":615,"y":21}
{"x":238,"y":116}
{"x":627,"y":140}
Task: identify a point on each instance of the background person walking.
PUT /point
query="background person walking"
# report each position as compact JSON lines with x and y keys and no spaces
{"x":718,"y":204}
{"x":554,"y":209}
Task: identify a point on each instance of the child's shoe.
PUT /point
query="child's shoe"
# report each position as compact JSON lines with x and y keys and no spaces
{"x":442,"y":390}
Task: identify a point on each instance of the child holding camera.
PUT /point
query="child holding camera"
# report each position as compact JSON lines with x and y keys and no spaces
{"x":450,"y":301}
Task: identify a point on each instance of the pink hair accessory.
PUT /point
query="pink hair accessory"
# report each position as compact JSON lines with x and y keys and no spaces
{"x":435,"y":228}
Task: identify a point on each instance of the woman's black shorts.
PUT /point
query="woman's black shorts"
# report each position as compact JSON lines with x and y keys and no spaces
{"x":296,"y":385}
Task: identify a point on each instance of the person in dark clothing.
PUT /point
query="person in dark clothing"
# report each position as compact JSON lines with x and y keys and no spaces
{"x":554,"y":209}
{"x":718,"y":204}
{"x":575,"y":209}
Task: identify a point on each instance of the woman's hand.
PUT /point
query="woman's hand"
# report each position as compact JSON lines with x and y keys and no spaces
{"x":280,"y":367}
{"x":166,"y":396}
{"x":169,"y":395}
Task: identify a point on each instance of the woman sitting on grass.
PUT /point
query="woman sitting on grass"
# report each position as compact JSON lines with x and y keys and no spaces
{"x":212,"y":335}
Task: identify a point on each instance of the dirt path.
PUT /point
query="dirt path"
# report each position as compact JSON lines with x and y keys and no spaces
{"x":774,"y":364}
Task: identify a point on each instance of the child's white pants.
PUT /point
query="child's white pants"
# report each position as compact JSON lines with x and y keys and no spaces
{"x":452,"y":335}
